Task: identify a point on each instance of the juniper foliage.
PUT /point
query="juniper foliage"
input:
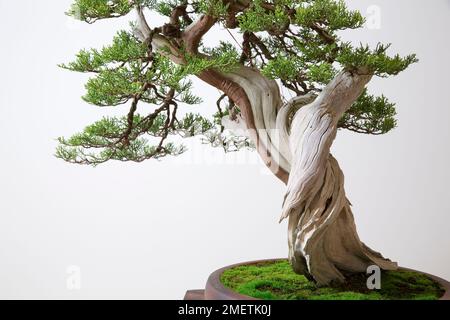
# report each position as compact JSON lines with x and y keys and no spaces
{"x":297,"y":43}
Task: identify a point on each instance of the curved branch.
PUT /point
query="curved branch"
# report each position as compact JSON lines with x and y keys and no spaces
{"x":143,"y":26}
{"x":259,"y":99}
{"x":195,"y":31}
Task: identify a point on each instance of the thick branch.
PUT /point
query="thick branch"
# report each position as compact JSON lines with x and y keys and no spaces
{"x":254,"y":100}
{"x":195,"y":32}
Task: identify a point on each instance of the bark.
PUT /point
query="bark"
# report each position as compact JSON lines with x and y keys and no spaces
{"x":294,"y":140}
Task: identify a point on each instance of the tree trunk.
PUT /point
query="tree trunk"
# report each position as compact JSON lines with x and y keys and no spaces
{"x":322,"y":236}
{"x":323,"y":242}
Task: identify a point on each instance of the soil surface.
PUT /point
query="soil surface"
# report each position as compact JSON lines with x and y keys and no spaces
{"x":275,"y":280}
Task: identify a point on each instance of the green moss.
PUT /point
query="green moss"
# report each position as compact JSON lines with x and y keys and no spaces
{"x":277,"y":281}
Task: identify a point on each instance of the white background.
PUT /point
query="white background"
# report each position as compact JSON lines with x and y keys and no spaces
{"x":154,"y":230}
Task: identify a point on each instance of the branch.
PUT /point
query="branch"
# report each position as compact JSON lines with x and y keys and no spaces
{"x":180,"y":12}
{"x":156,"y":40}
{"x":194,"y":33}
{"x":143,"y":26}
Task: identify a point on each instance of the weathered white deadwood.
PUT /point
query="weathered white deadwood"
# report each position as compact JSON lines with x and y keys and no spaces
{"x":265,"y":99}
{"x":323,"y":242}
{"x":322,"y":235}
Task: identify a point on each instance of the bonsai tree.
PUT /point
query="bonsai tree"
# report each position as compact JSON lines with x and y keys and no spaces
{"x":282,"y":43}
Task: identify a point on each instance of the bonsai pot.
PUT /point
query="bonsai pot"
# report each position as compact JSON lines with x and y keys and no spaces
{"x":215,"y":290}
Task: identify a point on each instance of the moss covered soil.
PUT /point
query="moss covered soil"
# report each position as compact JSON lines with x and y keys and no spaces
{"x":275,"y":280}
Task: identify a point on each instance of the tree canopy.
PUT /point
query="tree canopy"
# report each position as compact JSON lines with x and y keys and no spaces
{"x":296,"y":43}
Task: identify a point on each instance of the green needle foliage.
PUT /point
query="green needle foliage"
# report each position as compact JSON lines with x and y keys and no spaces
{"x":294,"y":42}
{"x":92,"y":10}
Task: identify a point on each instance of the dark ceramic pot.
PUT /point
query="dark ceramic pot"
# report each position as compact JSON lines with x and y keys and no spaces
{"x":215,"y":290}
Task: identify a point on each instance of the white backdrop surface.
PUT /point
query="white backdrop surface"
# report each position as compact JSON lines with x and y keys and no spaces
{"x":153,"y":230}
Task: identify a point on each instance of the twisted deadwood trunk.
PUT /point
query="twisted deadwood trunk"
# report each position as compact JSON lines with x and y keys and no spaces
{"x":294,"y":141}
{"x":323,"y":242}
